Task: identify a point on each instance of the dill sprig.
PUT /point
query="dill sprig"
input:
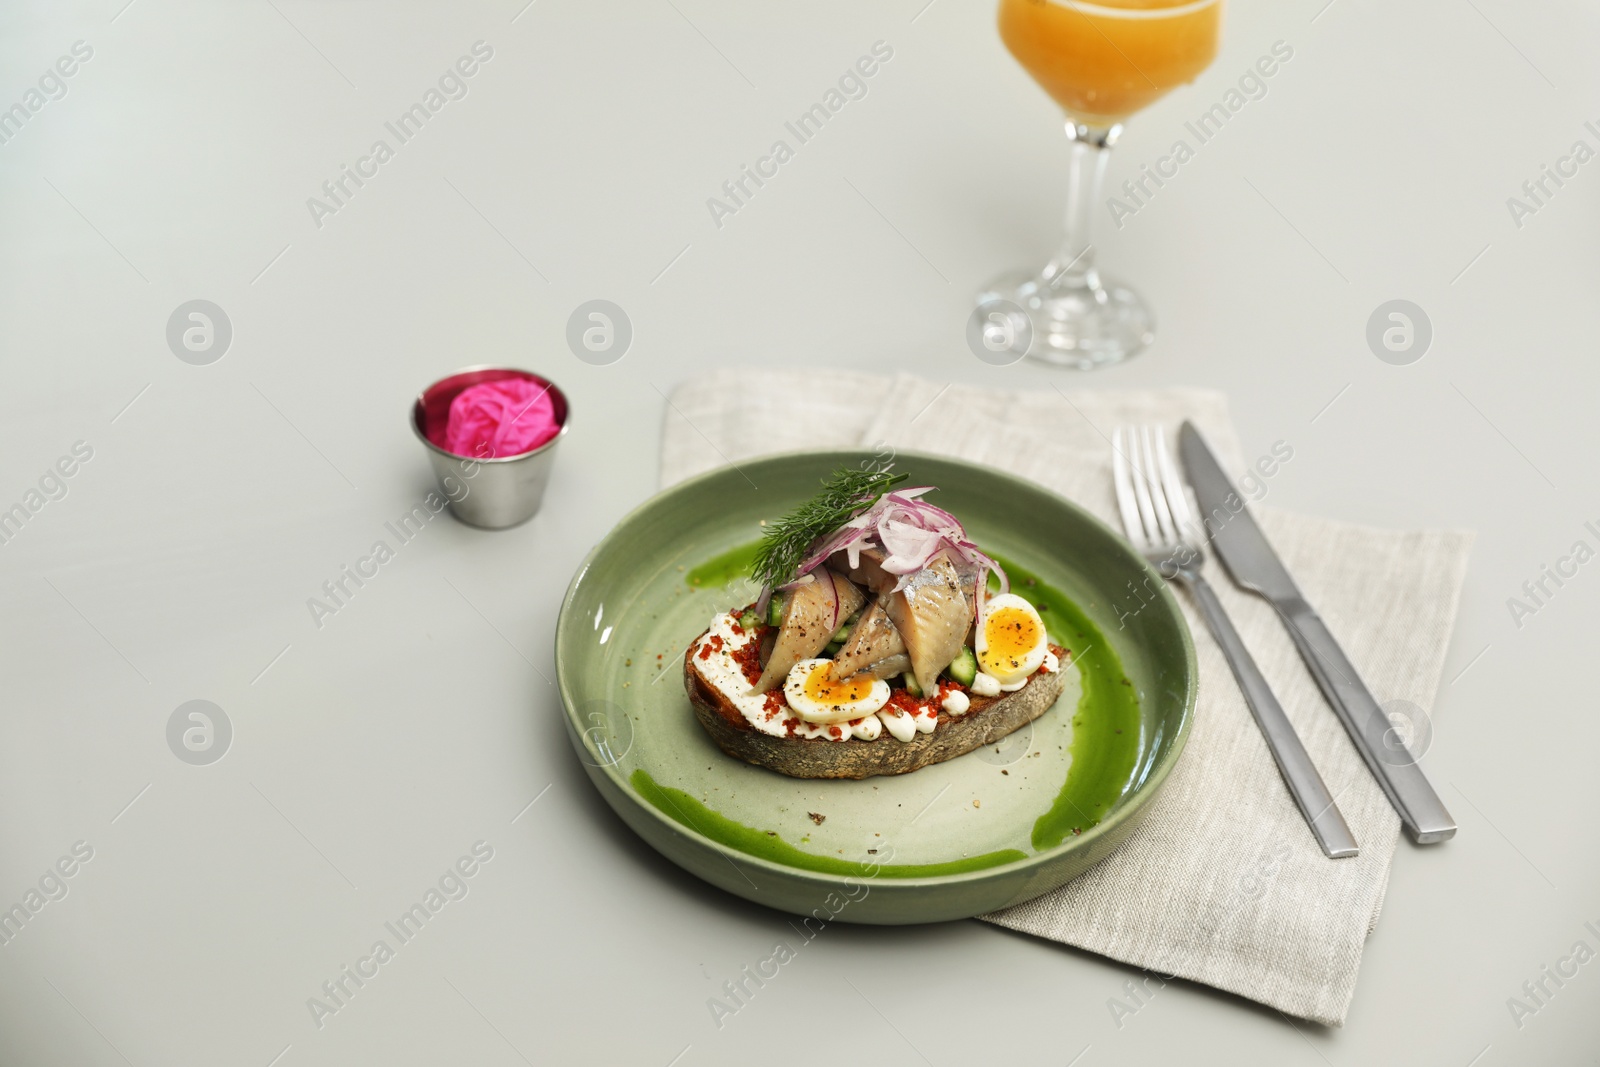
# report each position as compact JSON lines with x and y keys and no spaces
{"x":845,"y":494}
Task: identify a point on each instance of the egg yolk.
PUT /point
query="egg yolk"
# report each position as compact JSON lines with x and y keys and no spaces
{"x":1011,"y":634}
{"x":824,"y":690}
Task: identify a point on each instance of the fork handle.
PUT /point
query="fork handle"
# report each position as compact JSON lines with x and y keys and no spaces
{"x":1294,"y":763}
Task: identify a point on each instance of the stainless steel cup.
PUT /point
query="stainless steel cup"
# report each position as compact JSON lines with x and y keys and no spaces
{"x":493,"y":492}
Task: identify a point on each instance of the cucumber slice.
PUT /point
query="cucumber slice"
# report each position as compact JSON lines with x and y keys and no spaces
{"x":842,"y":634}
{"x":749,"y":620}
{"x":775,"y":610}
{"x":911,"y":685}
{"x":964,"y":668}
{"x":833,"y":649}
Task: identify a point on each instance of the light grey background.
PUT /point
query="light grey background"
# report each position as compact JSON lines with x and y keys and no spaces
{"x":369,"y":754}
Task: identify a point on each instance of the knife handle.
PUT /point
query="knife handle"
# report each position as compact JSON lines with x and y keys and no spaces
{"x":1395,"y":768}
{"x":1294,"y":762}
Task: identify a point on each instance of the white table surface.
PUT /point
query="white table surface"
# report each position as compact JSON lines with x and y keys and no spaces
{"x":376,"y":750}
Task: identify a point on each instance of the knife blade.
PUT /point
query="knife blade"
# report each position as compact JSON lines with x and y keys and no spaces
{"x":1254,"y":565}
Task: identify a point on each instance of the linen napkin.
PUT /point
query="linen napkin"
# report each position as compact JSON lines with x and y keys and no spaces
{"x":1222,"y":883}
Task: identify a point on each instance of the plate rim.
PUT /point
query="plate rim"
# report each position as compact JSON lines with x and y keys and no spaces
{"x":1084,"y":842}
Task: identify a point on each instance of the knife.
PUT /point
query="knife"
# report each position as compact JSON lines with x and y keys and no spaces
{"x":1254,"y":565}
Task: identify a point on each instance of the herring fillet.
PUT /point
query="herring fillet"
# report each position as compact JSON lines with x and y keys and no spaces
{"x":808,"y":622}
{"x":867,"y":572}
{"x":888,"y":667}
{"x":933,"y":616}
{"x":874,"y":638}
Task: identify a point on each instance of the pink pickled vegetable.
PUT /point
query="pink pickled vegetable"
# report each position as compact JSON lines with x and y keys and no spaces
{"x":501,"y":418}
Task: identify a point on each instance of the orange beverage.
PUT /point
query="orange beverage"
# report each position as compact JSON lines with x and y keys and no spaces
{"x":1103,"y":61}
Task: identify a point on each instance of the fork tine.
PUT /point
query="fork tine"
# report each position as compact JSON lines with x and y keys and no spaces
{"x":1131,"y":523}
{"x":1141,"y":486}
{"x":1177,"y":498}
{"x":1149,"y":437}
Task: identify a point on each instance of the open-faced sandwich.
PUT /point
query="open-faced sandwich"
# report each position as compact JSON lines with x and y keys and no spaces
{"x":876,"y":646}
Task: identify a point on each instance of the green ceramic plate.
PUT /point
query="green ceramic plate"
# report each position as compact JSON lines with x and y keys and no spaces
{"x":995,"y":827}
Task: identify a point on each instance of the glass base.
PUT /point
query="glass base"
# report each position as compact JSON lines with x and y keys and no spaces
{"x":1083,"y":326}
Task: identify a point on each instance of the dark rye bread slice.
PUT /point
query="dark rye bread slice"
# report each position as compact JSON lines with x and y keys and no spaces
{"x":988,"y":720}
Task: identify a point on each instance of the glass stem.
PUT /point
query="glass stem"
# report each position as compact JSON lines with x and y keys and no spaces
{"x":1073,"y":267}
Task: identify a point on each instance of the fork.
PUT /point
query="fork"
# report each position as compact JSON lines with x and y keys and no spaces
{"x":1155,"y":512}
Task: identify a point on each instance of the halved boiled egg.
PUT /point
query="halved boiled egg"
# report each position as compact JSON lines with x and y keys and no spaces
{"x":816,"y":697}
{"x":1011,"y":639}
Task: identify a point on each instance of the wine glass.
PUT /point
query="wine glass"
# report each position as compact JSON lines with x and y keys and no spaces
{"x":1101,"y":62}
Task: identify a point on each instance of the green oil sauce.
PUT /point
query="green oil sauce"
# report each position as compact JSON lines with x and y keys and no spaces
{"x":1105,"y":742}
{"x":683,"y":808}
{"x":722,"y":570}
{"x":1105,"y":726}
